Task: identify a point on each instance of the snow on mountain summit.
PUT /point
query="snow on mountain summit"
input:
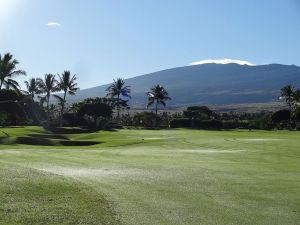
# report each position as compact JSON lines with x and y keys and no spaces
{"x":222,"y":61}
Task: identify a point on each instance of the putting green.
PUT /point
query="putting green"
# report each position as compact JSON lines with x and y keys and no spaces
{"x":149,"y":177}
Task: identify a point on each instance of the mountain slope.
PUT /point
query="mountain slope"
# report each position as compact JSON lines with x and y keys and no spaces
{"x":210,"y":84}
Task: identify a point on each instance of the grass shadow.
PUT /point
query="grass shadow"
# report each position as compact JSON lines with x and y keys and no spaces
{"x":79,"y":143}
{"x":49,"y":142}
{"x":70,"y":130}
{"x":34,"y":141}
{"x":49,"y":136}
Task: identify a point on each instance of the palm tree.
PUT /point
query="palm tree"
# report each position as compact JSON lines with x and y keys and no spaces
{"x":287,"y":93}
{"x":32,"y":87}
{"x":8,"y":71}
{"x":296,"y":96}
{"x":68,"y":85}
{"x":117,"y":90}
{"x":157,"y":95}
{"x":48,"y":85}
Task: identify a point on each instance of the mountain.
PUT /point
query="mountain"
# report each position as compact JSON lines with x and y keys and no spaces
{"x":210,"y":84}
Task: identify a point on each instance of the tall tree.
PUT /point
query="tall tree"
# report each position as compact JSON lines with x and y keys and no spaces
{"x":67,"y":84}
{"x":117,"y":90}
{"x":157,"y":95}
{"x":8,"y":70}
{"x":32,"y":87}
{"x":296,"y":97}
{"x":47,"y":86}
{"x":287,"y":93}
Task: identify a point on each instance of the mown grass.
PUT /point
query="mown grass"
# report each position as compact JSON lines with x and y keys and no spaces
{"x":151,"y":177}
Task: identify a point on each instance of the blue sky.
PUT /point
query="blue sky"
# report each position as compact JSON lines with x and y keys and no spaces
{"x":104,"y":39}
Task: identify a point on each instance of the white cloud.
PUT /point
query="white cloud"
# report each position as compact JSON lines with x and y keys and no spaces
{"x":53,"y":24}
{"x":222,"y":61}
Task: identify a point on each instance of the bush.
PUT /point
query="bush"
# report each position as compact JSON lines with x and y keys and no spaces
{"x":208,"y":124}
{"x":281,"y":115}
{"x":12,"y":113}
{"x":144,"y":119}
{"x":181,"y":123}
{"x":95,"y":110}
{"x":198,"y":112}
{"x":10,"y":95}
{"x":234,"y":124}
{"x":200,"y":124}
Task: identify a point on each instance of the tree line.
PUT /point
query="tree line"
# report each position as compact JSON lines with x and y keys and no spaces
{"x":39,"y":91}
{"x":33,"y":106}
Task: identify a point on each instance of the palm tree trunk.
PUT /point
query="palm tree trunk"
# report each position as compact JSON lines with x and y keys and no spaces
{"x":118,"y":108}
{"x":291,"y":109}
{"x":62,"y":109}
{"x":48,"y":99}
{"x":155,"y":121}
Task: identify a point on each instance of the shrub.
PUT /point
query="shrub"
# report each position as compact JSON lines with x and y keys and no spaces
{"x":181,"y":123}
{"x":200,"y":124}
{"x":281,"y":115}
{"x":234,"y":124}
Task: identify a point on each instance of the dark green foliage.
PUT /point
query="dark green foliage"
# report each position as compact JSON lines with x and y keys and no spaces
{"x":181,"y":122}
{"x":16,"y":108}
{"x":144,"y":119}
{"x":11,"y":113}
{"x":10,"y":95}
{"x":71,"y":119}
{"x":263,"y":122}
{"x":95,"y":115}
{"x":281,"y":115}
{"x":287,"y":93}
{"x":297,"y":114}
{"x":198,"y":112}
{"x":95,"y":110}
{"x":77,"y":105}
{"x":195,"y":123}
{"x":234,"y":124}
{"x":34,"y":112}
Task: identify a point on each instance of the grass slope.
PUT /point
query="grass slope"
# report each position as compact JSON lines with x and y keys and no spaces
{"x":151,"y":177}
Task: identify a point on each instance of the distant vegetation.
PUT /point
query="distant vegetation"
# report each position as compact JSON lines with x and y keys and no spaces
{"x":33,"y":106}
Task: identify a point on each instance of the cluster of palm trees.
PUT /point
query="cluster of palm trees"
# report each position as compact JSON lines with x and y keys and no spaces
{"x":66,"y":83}
{"x":157,"y":95}
{"x":43,"y":88}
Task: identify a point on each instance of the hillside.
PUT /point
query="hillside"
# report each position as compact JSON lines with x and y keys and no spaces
{"x":210,"y":84}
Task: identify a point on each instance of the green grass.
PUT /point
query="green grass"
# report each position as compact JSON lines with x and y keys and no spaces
{"x":149,"y":177}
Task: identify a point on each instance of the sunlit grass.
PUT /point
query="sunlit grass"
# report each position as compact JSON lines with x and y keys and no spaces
{"x":151,"y":177}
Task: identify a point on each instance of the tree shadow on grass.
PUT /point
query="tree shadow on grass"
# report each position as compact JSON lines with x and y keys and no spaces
{"x":69,"y":130}
{"x":47,"y":142}
{"x":49,"y":136}
{"x":34,"y":141}
{"x":79,"y":143}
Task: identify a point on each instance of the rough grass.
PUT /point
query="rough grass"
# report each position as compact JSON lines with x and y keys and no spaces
{"x":151,"y":177}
